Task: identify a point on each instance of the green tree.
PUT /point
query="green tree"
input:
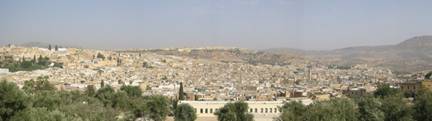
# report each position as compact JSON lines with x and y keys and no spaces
{"x":428,"y":75}
{"x":423,"y":106}
{"x":369,"y":109}
{"x":237,"y":111}
{"x":26,"y":64}
{"x":29,"y":86}
{"x":227,"y":113}
{"x":12,"y":100}
{"x":101,"y":56}
{"x":132,"y":91}
{"x":41,"y":84}
{"x":90,"y":90}
{"x":106,"y":95}
{"x":181,"y":92}
{"x":34,"y":59}
{"x":334,"y":110}
{"x":44,"y":61}
{"x":46,"y":99}
{"x":146,"y":65}
{"x":184,"y":112}
{"x":121,"y":100}
{"x":70,"y":97}
{"x":156,"y":108}
{"x":138,"y":106}
{"x":396,"y":109}
{"x":93,"y":110}
{"x":385,"y":90}
{"x":292,"y":111}
{"x":40,"y":114}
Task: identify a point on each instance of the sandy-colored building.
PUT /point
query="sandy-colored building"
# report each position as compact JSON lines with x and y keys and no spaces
{"x":263,"y":110}
{"x":411,"y":87}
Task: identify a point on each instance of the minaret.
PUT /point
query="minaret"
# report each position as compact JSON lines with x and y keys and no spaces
{"x":309,"y":72}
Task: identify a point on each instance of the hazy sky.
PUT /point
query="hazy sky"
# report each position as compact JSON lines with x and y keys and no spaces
{"x":257,"y":24}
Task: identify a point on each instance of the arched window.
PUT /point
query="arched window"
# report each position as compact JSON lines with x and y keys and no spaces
{"x":250,"y":110}
{"x":206,"y":110}
{"x":256,"y":110}
{"x":201,"y":110}
{"x":211,"y":110}
{"x":266,"y":110}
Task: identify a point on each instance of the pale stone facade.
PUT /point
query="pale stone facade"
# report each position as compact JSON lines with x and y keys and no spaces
{"x":260,"y":109}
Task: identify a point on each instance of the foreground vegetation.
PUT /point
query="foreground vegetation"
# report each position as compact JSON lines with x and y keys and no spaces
{"x":237,"y":111}
{"x":28,"y":65}
{"x":38,"y":100}
{"x":386,"y":104}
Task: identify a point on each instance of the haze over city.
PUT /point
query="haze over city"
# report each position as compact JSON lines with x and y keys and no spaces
{"x":215,"y":60}
{"x":254,"y":24}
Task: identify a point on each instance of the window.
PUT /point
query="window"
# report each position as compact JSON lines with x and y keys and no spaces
{"x":256,"y":110}
{"x":262,"y":110}
{"x":201,"y":110}
{"x":275,"y":110}
{"x":266,"y":110}
{"x":251,"y":110}
{"x":271,"y":110}
{"x":206,"y":110}
{"x":211,"y":110}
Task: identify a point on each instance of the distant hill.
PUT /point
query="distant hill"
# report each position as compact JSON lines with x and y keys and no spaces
{"x":43,"y":44}
{"x":235,"y":55}
{"x":35,"y":44}
{"x":414,"y":54}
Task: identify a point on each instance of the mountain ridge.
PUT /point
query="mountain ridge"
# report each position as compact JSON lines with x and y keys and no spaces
{"x":413,"y":54}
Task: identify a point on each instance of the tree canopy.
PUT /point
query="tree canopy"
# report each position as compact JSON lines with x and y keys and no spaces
{"x":292,"y":111}
{"x":12,"y":100}
{"x":385,"y":90}
{"x":39,"y":101}
{"x":334,"y":110}
{"x":132,"y":91}
{"x":369,"y":109}
{"x":237,"y":111}
{"x":156,"y":107}
{"x":428,"y":75}
{"x":423,"y":106}
{"x":184,"y":112}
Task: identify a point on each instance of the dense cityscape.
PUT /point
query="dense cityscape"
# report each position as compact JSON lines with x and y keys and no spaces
{"x":206,"y":84}
{"x":215,"y":60}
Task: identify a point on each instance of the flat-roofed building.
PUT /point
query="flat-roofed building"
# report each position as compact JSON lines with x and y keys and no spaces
{"x":427,"y":84}
{"x":355,"y":92}
{"x":260,"y":109}
{"x":411,"y":87}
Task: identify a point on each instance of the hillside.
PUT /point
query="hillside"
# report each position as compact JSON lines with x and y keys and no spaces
{"x":234,"y":55}
{"x":414,"y":54}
